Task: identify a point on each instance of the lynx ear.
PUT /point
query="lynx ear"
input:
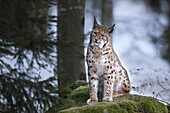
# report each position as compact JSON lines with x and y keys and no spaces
{"x":111,"y":29}
{"x":95,"y":22}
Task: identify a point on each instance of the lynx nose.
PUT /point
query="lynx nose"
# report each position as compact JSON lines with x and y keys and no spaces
{"x":95,"y":40}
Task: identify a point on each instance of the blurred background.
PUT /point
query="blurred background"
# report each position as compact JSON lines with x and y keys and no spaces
{"x":43,"y":45}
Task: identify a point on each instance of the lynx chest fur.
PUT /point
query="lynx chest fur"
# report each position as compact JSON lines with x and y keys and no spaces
{"x":103,"y":62}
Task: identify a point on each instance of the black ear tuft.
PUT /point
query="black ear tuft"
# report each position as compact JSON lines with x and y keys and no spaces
{"x":111,"y":29}
{"x":95,"y":22}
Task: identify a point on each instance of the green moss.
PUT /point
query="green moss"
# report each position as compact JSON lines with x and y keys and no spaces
{"x":62,"y":104}
{"x":64,"y":93}
{"x":152,"y":105}
{"x":125,"y":104}
{"x":76,"y":100}
{"x":72,"y":96}
{"x":168,"y":108}
{"x":80,"y":94}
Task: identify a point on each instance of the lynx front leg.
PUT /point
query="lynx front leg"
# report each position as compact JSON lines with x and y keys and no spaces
{"x":108,"y":88}
{"x":93,"y":88}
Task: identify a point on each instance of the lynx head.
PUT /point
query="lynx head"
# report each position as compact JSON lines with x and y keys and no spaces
{"x":100,"y":34}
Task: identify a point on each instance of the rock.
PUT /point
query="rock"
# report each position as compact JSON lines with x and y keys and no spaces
{"x":74,"y":95}
{"x":64,"y":93}
{"x":76,"y":103}
{"x":125,"y":104}
{"x":80,"y":94}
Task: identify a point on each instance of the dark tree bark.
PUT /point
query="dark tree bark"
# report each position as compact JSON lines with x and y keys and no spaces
{"x":167,"y":40}
{"x":23,"y":41}
{"x":70,"y":42}
{"x":103,"y":9}
{"x":97,"y":6}
{"x":107,"y":13}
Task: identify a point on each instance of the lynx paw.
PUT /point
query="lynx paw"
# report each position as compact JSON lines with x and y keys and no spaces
{"x":91,"y":101}
{"x":107,"y":99}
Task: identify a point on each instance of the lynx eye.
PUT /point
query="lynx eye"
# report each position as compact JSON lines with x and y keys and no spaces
{"x":102,"y":35}
{"x":95,"y":33}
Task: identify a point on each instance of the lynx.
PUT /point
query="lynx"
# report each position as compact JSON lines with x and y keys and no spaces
{"x":104,"y":64}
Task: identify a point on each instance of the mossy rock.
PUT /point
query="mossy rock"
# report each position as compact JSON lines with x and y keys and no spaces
{"x":74,"y":95}
{"x":80,"y":94}
{"x":76,"y":103}
{"x":168,"y":108}
{"x":64,"y":93}
{"x":124,"y":104}
{"x":62,"y":104}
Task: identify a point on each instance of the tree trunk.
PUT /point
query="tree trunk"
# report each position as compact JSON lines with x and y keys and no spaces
{"x":103,"y":9}
{"x":97,"y":6}
{"x":107,"y":13}
{"x":70,"y":42}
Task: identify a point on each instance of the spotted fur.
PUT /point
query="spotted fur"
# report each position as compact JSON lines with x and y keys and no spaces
{"x":104,"y":63}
